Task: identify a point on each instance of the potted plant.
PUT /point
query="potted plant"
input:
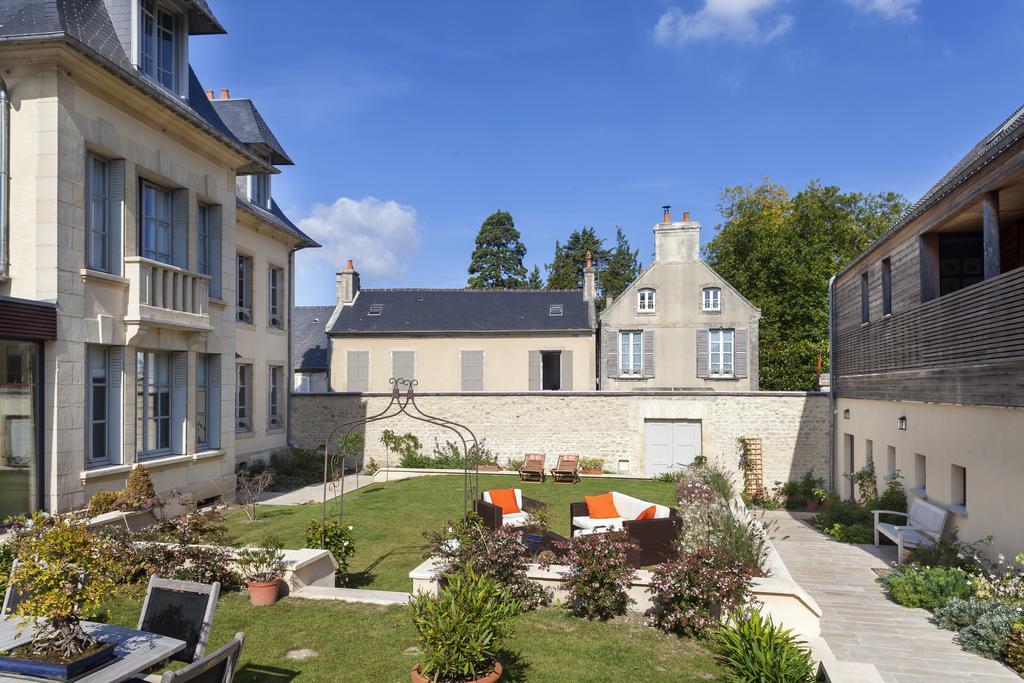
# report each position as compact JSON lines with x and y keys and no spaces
{"x":262,"y":569}
{"x":817,"y":498}
{"x":592,"y":465}
{"x":462,"y":629}
{"x":65,"y":572}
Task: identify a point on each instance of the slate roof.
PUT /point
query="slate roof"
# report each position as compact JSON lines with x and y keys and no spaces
{"x":412,"y":311}
{"x":85,"y":25}
{"x":277,"y":218}
{"x":244,"y":120}
{"x":991,"y":147}
{"x":310,"y":345}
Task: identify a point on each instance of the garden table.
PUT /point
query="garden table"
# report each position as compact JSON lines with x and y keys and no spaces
{"x":136,"y":651}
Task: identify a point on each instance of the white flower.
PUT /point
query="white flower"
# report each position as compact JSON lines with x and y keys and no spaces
{"x":350,"y":527}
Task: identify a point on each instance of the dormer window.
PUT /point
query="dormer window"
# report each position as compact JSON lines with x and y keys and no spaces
{"x":555,"y":310}
{"x":259,"y":190}
{"x":162,"y":45}
{"x":645,"y":301}
{"x":712,"y":299}
{"x":375,"y":309}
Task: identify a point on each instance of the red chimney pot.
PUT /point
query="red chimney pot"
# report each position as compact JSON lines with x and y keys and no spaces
{"x":686,"y":216}
{"x":209,"y":94}
{"x":350,"y":266}
{"x":666,"y":218}
{"x":224,"y":94}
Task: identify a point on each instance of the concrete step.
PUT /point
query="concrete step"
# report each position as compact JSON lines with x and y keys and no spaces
{"x":370,"y":597}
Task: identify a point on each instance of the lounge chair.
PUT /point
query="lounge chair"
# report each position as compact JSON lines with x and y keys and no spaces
{"x":182,"y":610}
{"x":654,"y":536}
{"x":567,"y":470}
{"x":493,"y":516}
{"x":219,"y":666}
{"x":532,"y":468}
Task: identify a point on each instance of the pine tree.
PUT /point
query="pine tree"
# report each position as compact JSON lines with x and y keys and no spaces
{"x":566,"y":269}
{"x":497,"y":261}
{"x":621,"y":269}
{"x":535,"y":281}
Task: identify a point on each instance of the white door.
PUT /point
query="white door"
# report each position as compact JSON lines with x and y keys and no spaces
{"x":670,"y":445}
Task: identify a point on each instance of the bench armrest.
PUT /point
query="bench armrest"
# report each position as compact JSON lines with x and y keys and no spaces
{"x":888,"y":512}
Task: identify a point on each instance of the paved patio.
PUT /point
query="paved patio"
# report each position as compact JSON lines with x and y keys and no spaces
{"x":860,"y":623}
{"x":314,"y":493}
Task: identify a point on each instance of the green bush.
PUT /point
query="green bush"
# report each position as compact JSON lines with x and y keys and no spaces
{"x":721,"y":483}
{"x":103,"y":502}
{"x":462,"y":629}
{"x":845,"y":513}
{"x":7,"y":555}
{"x":1013,"y":648}
{"x":948,"y":552}
{"x":514,"y":464}
{"x":851,"y":533}
{"x":338,"y":542}
{"x":927,"y":587}
{"x":139,"y":488}
{"x":893,"y":497}
{"x":958,"y":613}
{"x":983,"y":625}
{"x":743,"y":540}
{"x":755,"y":650}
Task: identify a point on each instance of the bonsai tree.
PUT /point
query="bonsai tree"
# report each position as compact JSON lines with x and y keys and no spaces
{"x":462,"y":629}
{"x":65,"y":571}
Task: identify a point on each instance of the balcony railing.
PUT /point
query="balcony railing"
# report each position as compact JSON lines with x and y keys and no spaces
{"x":167,"y":296}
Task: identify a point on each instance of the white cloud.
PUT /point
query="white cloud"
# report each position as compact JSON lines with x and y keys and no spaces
{"x":741,"y":21}
{"x":897,"y":10}
{"x":381,"y":237}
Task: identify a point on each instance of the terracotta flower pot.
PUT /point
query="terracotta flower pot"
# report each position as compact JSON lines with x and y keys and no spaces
{"x":592,"y":470}
{"x":812,"y":505}
{"x":489,"y":677}
{"x":262,"y":593}
{"x":487,"y":468}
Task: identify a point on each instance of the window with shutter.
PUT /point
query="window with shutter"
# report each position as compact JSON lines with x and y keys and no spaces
{"x":648,"y":364}
{"x":156,"y":223}
{"x":97,"y":406}
{"x":179,"y":228}
{"x":740,"y":354}
{"x":534,"y":371}
{"x":472,"y":370}
{"x":274,"y":415}
{"x":610,"y":349}
{"x":358,"y":376}
{"x":703,"y":362}
{"x":403,"y":365}
{"x":179,"y":401}
{"x":631,"y":353}
{"x":720,"y":352}
{"x":215,"y":217}
{"x":566,"y":371}
{"x":243,"y":398}
{"x":153,"y":403}
{"x":98,"y":213}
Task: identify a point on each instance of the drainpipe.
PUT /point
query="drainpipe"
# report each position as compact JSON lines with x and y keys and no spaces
{"x":831,"y":387}
{"x":289,"y":370}
{"x":5,"y":181}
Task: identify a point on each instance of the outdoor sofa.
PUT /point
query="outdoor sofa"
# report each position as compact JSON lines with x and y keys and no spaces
{"x":492,"y":515}
{"x":653,"y":536}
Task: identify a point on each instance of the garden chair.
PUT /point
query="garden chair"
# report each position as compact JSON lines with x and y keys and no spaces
{"x":532,"y":468}
{"x":651,"y":528}
{"x":924,"y":526}
{"x":182,"y":610}
{"x":218,"y":667}
{"x":492,"y":515}
{"x":567,"y":470}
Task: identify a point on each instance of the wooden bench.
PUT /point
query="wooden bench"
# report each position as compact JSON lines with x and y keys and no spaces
{"x":924,"y":526}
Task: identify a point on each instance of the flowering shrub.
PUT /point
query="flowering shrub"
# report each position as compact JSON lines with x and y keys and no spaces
{"x":337,"y":539}
{"x":691,"y":592}
{"x":1003,"y":581}
{"x":497,"y":554}
{"x":1013,"y":648}
{"x":599,"y":577}
{"x":699,"y":507}
{"x":983,"y":625}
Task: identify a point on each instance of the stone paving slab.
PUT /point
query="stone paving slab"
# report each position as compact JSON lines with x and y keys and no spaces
{"x":860,"y":623}
{"x":314,"y":493}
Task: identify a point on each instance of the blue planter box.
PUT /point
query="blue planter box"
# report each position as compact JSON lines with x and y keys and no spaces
{"x":58,"y":672}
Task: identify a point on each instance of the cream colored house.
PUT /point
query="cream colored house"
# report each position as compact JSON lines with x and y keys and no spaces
{"x":680,"y":325}
{"x":452,"y":340}
{"x":927,"y":364}
{"x":118,"y":265}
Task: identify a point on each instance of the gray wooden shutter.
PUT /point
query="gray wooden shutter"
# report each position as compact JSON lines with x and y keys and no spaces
{"x":739,"y":350}
{"x":566,"y":371}
{"x":216,"y":221}
{"x":114,"y":408}
{"x":610,"y":342}
{"x":703,"y":364}
{"x":358,"y":371}
{"x":213,"y":404}
{"x":534,"y":371}
{"x":648,"y":361}
{"x":115,"y":215}
{"x":472,"y":370}
{"x":179,"y":400}
{"x":179,"y":228}
{"x":403,"y":364}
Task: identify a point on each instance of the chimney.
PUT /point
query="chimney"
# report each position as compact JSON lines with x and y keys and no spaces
{"x":224,"y":94}
{"x":666,"y":217}
{"x":209,"y":94}
{"x":677,"y":242}
{"x":347,"y":281}
{"x":590,"y":288}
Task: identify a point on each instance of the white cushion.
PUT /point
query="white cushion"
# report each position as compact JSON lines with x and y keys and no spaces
{"x":519,"y":497}
{"x":630,"y":507}
{"x":611,"y":523}
{"x":515,"y":519}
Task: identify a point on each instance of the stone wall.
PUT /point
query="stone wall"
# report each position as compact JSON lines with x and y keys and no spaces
{"x":793,"y":426}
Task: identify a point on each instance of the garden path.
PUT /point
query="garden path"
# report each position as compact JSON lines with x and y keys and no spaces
{"x":860,"y":623}
{"x":314,"y":492}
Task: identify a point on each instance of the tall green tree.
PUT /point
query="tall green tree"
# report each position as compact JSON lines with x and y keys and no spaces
{"x":497,"y":260}
{"x":779,"y":250}
{"x":566,"y":269}
{"x":535,"y":281}
{"x":622,"y":267}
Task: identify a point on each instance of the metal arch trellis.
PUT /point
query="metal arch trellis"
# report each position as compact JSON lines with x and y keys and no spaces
{"x":400,"y":404}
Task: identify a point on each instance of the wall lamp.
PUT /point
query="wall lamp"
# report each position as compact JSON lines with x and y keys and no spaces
{"x":901,"y":423}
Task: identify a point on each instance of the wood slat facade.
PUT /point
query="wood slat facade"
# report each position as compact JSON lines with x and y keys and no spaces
{"x":27,"y":320}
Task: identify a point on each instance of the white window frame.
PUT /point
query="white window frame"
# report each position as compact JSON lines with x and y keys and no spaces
{"x":243,"y":398}
{"x":145,"y":389}
{"x":646,"y":300}
{"x":153,"y":224}
{"x":259,"y":190}
{"x":99,"y":203}
{"x":722,"y":361}
{"x":203,"y":389}
{"x":275,"y":416}
{"x":275,"y":278}
{"x":152,"y":62}
{"x":244,"y":293}
{"x":99,"y":377}
{"x":711,"y":299}
{"x":628,"y":365}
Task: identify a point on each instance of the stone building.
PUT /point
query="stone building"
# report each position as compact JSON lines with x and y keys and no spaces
{"x":119,"y":310}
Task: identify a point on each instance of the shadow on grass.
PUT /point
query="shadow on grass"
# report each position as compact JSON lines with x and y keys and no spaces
{"x":259,"y":673}
{"x":516,"y":668}
{"x":365,"y":577}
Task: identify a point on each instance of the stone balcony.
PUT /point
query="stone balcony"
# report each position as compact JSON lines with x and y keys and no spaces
{"x":162,"y":295}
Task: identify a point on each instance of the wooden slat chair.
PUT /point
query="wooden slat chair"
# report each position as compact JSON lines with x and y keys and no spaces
{"x":567,"y":470}
{"x":532,"y":468}
{"x":925,"y":523}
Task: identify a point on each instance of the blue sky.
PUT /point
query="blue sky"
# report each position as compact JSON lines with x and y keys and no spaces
{"x":410,"y":122}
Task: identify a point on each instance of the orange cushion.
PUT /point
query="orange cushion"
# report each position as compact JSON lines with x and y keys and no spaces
{"x":648,"y":513}
{"x":601,"y":507}
{"x":505,"y":499}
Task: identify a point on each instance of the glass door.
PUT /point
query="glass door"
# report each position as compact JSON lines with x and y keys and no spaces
{"x":18,"y":428}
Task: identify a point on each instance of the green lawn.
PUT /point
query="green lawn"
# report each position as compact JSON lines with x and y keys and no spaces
{"x":389,"y":519}
{"x":369,"y":643}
